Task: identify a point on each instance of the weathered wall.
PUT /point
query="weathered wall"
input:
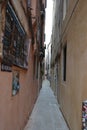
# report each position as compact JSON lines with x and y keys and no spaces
{"x":74,"y":90}
{"x":14,"y":110}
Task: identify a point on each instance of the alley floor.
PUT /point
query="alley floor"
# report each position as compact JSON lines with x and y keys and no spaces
{"x":46,"y":114}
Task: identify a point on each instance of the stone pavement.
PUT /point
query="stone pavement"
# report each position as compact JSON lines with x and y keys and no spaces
{"x":46,"y":114}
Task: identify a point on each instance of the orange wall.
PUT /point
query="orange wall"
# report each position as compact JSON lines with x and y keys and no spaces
{"x":14,"y":110}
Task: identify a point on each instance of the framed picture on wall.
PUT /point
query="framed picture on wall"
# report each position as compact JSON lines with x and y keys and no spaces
{"x":15,"y":82}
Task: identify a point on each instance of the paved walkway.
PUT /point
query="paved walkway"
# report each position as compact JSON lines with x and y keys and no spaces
{"x":46,"y":114}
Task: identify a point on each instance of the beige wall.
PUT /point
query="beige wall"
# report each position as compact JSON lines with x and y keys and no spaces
{"x":74,"y":90}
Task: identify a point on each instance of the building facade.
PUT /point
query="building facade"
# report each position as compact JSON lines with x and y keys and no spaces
{"x":48,"y":61}
{"x":21,"y":59}
{"x":69,"y":51}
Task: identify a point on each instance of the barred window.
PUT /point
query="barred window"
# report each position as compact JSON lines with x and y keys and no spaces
{"x":14,"y":45}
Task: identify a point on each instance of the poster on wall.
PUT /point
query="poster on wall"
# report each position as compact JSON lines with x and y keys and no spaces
{"x":15,"y":83}
{"x":84,"y":115}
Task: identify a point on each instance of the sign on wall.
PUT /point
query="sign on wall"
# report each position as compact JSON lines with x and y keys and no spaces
{"x":5,"y":67}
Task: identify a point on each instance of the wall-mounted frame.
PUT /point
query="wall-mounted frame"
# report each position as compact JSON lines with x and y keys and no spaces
{"x":15,"y":82}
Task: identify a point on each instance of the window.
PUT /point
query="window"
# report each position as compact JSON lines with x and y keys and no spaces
{"x":45,"y":3}
{"x":34,"y":67}
{"x":37,"y":69}
{"x":64,"y":9}
{"x":65,"y":6}
{"x":64,"y":62}
{"x":29,"y":3}
{"x":14,"y":40}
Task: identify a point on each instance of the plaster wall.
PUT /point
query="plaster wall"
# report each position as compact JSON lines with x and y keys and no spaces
{"x":15,"y":110}
{"x":74,"y":90}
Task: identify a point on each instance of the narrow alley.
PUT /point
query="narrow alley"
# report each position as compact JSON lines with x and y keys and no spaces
{"x":46,"y":114}
{"x":41,"y":38}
